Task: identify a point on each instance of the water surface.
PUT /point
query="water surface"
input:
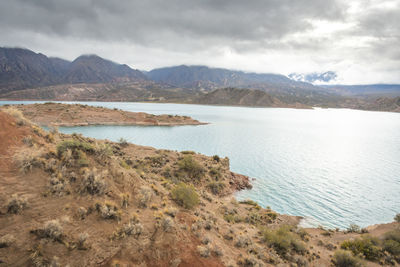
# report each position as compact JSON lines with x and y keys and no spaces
{"x":332,"y":166}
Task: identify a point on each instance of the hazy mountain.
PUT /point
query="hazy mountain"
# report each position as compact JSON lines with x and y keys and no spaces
{"x":22,"y":68}
{"x":314,"y":77}
{"x":205,"y":78}
{"x":371,"y":90}
{"x":243,"y":97}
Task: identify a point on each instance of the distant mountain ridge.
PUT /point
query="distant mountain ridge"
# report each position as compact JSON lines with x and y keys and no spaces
{"x":22,"y":68}
{"x":205,"y":78}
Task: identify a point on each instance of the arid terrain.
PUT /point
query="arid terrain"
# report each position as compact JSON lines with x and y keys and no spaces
{"x":57,"y":114}
{"x":66,"y":200}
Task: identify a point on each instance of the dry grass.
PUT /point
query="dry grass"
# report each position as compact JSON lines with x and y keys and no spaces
{"x":17,"y":114}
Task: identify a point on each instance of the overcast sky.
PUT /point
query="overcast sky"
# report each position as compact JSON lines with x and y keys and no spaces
{"x":360,"y":39}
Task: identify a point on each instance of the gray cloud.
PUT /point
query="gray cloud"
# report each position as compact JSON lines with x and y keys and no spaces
{"x":237,"y":34}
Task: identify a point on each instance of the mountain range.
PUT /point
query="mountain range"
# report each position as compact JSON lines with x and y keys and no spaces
{"x":25,"y":74}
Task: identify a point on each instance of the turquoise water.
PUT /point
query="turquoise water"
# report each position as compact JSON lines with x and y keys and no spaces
{"x":332,"y":166}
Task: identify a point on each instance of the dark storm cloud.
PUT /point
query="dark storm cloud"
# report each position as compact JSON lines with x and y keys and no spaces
{"x":168,"y":23}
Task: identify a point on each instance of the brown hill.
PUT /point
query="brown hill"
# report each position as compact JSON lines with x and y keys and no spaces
{"x":70,"y":200}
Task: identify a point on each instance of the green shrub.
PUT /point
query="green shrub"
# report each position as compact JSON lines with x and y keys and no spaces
{"x":232,"y":218}
{"x":345,"y":259}
{"x":73,"y":145}
{"x":283,"y":240}
{"x":191,"y":167}
{"x":397,"y":218}
{"x":185,"y":195}
{"x":216,"y":187}
{"x":366,"y":245}
{"x":188,"y":152}
{"x":249,"y":202}
{"x":391,"y":242}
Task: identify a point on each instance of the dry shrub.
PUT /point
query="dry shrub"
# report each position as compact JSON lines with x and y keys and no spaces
{"x":133,"y":227}
{"x":109,"y":210}
{"x":28,"y":158}
{"x":53,"y":230}
{"x":144,"y":197}
{"x":17,"y":114}
{"x":125,"y":200}
{"x":6,"y":240}
{"x":345,"y":259}
{"x":204,"y":251}
{"x":16,"y":204}
{"x":94,"y":183}
{"x":167,"y":224}
{"x":82,"y":240}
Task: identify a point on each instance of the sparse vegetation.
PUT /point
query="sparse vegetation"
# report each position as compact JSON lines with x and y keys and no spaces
{"x":283,"y":240}
{"x":74,"y":145}
{"x":185,"y":195}
{"x":366,"y":246}
{"x":204,"y":251}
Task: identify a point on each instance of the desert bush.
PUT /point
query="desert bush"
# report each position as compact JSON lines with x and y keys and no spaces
{"x":343,"y":258}
{"x":397,"y":218}
{"x":242,"y":241}
{"x":109,"y":210}
{"x":123,"y":142}
{"x":6,"y":240}
{"x":16,"y":204}
{"x":216,"y":158}
{"x":144,"y":197}
{"x":82,"y":240}
{"x":102,"y":150}
{"x":28,"y":140}
{"x":391,"y":243}
{"x":204,"y":251}
{"x":215,"y":173}
{"x":283,"y":240}
{"x":133,"y":227}
{"x":93,"y":183}
{"x":171,"y":212}
{"x":82,"y":212}
{"x":167,"y":224}
{"x":190,"y":167}
{"x":353,"y":228}
{"x":17,"y":114}
{"x":233,"y":218}
{"x":185,"y":195}
{"x":73,"y":145}
{"x":58,"y":185}
{"x":249,"y":202}
{"x":366,"y":245}
{"x":53,"y":230}
{"x":188,"y":152}
{"x":216,"y":187}
{"x":28,"y":158}
{"x":125,"y":200}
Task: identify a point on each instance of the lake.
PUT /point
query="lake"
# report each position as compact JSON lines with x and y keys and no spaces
{"x":332,"y":166}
